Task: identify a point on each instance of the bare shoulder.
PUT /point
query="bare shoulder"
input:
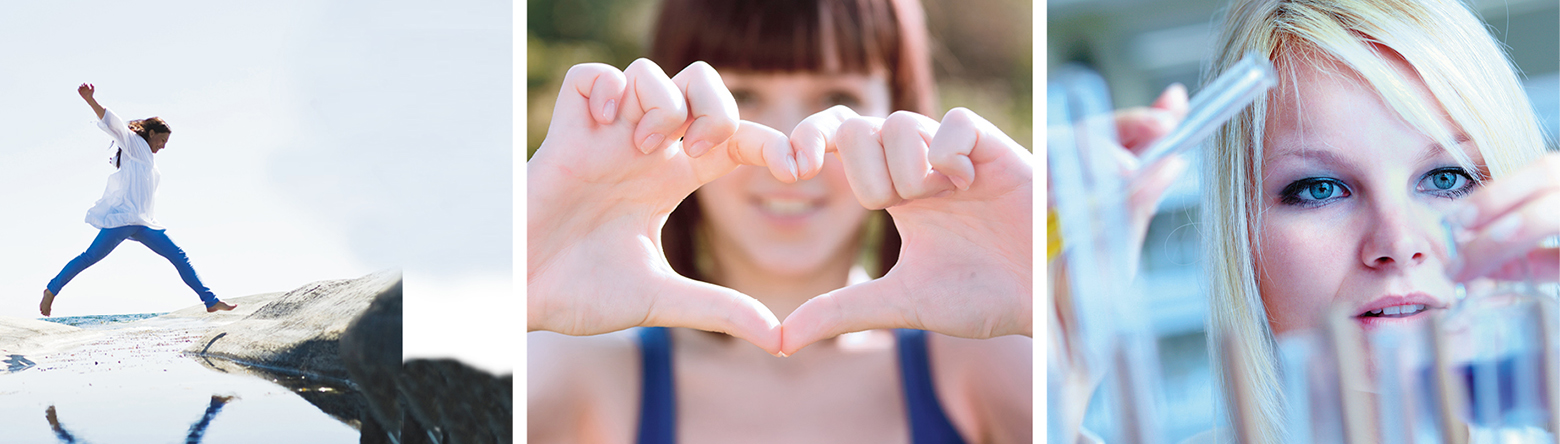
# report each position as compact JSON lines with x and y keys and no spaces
{"x":582,"y":388}
{"x":986,"y":386}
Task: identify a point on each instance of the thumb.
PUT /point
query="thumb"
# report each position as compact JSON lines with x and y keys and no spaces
{"x":851,"y":309}
{"x":699,"y":305}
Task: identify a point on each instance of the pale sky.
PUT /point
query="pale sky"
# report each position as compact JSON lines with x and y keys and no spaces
{"x":311,"y":140}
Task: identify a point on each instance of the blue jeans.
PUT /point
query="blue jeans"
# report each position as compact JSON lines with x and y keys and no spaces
{"x":157,"y":240}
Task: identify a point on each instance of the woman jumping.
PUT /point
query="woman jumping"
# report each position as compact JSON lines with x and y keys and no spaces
{"x":125,"y":211}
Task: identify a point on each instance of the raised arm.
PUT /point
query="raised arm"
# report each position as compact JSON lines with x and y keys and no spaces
{"x":86,"y":90}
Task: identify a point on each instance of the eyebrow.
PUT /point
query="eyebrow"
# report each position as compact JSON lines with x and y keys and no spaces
{"x":1305,"y":152}
{"x":1434,"y":149}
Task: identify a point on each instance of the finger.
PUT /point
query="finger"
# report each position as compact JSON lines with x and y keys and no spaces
{"x":966,"y":139}
{"x":907,"y":138}
{"x":710,"y":106}
{"x":1540,"y":265}
{"x":657,"y":104}
{"x":753,"y":144}
{"x":1501,"y":196}
{"x":850,"y":309}
{"x":861,"y":150}
{"x":1173,"y":100}
{"x":688,"y":303}
{"x":1137,"y":128}
{"x":1148,"y":187}
{"x":601,"y":87}
{"x":815,"y":137}
{"x":1510,"y":237}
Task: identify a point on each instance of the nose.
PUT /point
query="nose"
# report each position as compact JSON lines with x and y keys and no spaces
{"x":1398,"y":237}
{"x":783,"y":114}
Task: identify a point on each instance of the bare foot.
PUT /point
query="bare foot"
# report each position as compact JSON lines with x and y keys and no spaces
{"x":48,"y":302}
{"x":222,"y":306}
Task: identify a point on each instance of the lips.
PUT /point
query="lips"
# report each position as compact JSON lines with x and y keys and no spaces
{"x":788,"y":207}
{"x":1397,"y":307}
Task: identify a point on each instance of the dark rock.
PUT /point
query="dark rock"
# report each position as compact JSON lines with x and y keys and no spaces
{"x":421,"y":401}
{"x":459,"y":403}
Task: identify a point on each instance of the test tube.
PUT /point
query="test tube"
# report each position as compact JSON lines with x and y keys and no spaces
{"x":1215,"y":104}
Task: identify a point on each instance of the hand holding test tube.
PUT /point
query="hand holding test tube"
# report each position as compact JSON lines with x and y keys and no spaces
{"x":1215,"y":104}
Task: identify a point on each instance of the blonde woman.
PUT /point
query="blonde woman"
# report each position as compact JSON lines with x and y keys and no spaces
{"x":1329,"y":191}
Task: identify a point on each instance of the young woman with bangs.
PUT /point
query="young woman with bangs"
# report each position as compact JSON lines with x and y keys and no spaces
{"x":789,"y":133}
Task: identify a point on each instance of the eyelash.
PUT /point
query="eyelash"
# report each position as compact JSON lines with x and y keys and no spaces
{"x":841,"y":98}
{"x":1468,"y":183}
{"x":1291,"y":193}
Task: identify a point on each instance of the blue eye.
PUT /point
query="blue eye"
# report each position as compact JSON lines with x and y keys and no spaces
{"x":1450,"y":182}
{"x":1322,"y":190}
{"x":1313,"y":192}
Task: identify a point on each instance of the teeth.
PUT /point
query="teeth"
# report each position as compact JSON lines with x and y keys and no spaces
{"x":1398,"y":310}
{"x":786,"y":207}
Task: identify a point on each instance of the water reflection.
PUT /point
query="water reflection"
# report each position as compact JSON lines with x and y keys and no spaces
{"x":16,"y":363}
{"x":197,"y":430}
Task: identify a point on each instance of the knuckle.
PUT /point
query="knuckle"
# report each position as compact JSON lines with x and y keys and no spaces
{"x":1551,"y":166}
{"x":841,"y":110}
{"x":856,"y":127}
{"x":960,"y":116}
{"x":587,"y":69}
{"x":900,"y":121}
{"x":702,"y":69}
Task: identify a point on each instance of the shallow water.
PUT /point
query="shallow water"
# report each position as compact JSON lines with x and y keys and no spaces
{"x":100,"y":322}
{"x":132,"y":383}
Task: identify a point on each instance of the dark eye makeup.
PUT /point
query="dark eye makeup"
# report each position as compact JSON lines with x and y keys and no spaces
{"x":841,"y":98}
{"x":1447,"y":182}
{"x":1313,"y":192}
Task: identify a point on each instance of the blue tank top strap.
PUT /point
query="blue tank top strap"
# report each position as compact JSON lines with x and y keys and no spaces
{"x":658,"y":397}
{"x":928,"y":423}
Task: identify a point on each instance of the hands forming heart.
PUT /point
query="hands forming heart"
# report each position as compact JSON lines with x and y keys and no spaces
{"x":613,"y":168}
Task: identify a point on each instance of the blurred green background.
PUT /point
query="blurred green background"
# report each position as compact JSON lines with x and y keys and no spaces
{"x":982,"y":54}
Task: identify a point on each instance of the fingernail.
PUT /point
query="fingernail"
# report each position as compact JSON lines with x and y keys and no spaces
{"x":1505,"y":228}
{"x":801,"y":164}
{"x":783,"y":355}
{"x":651,"y":142}
{"x":699,"y":148}
{"x":960,"y":183}
{"x":790,"y":162}
{"x":1463,"y":214}
{"x":609,"y":111}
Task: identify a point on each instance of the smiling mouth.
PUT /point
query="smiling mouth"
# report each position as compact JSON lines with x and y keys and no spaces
{"x":1395,"y":311}
{"x":788,"y":207}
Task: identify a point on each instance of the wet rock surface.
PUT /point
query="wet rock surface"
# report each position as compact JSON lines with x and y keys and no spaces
{"x":298,"y":332}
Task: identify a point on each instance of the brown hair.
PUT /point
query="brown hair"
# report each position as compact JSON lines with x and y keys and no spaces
{"x":144,"y":128}
{"x":830,"y":36}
